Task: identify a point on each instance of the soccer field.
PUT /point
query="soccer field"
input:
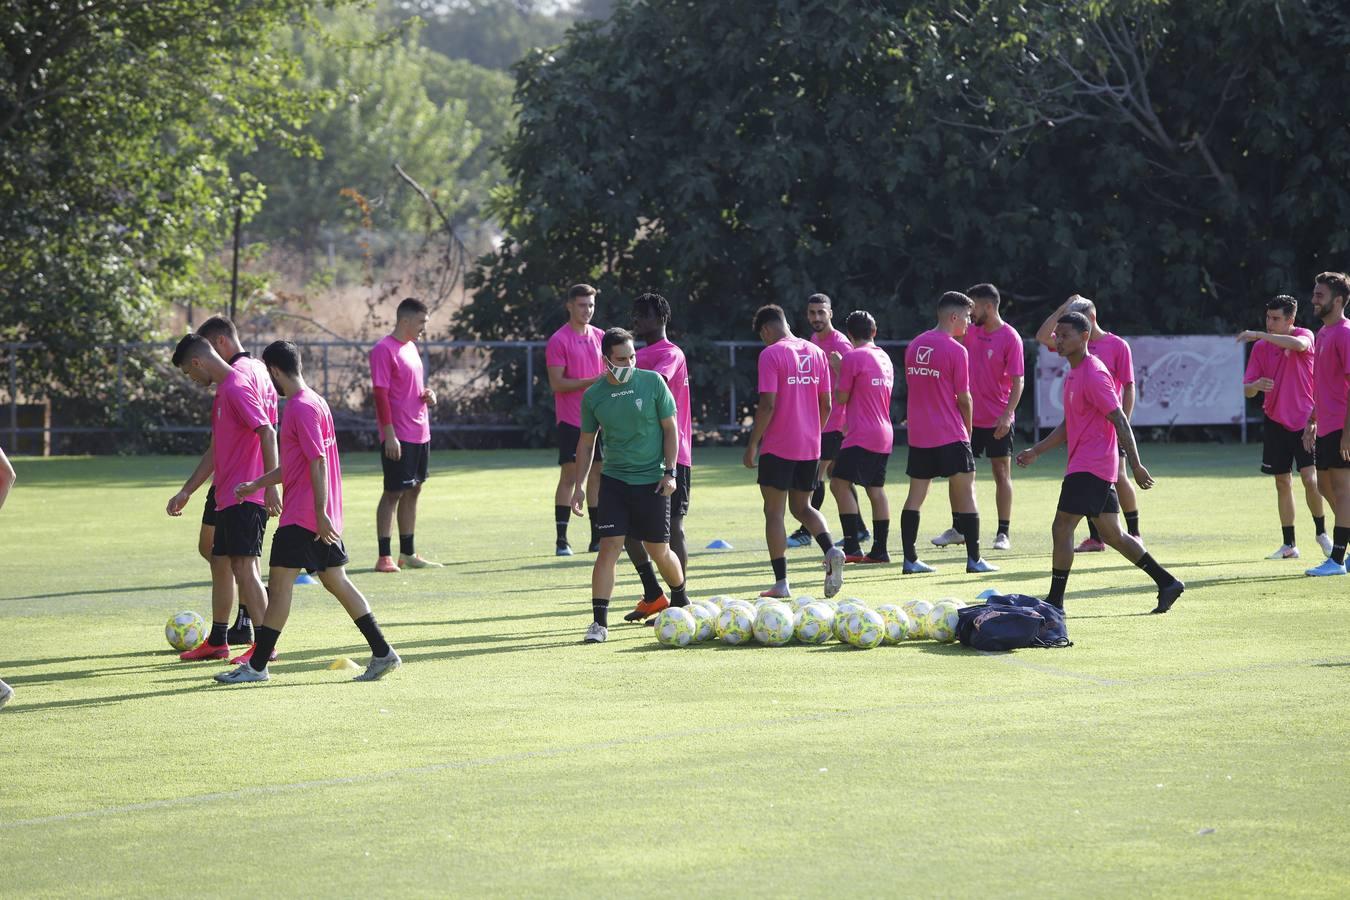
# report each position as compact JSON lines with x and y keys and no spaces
{"x":1198,"y":753}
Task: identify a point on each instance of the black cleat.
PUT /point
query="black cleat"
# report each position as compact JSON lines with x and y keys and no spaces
{"x":1168,"y":595}
{"x":594,"y":546}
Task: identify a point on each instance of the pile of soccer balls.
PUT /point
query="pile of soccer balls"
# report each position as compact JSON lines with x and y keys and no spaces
{"x":776,"y":622}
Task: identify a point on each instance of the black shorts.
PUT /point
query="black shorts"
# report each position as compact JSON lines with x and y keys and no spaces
{"x":1283,"y":450}
{"x":239,"y":530}
{"x":209,"y":510}
{"x":830,"y":444}
{"x":568,"y":435}
{"x":635,"y":510}
{"x":786,"y":474}
{"x":1328,"y":455}
{"x":940,"y":462}
{"x":295,"y":547}
{"x":679,"y":501}
{"x":983,"y":443}
{"x":409,"y":470}
{"x":1084,"y":494}
{"x":861,"y":466}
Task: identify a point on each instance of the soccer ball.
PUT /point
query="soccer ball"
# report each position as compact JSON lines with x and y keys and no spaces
{"x":841,"y":614}
{"x":815,"y":623}
{"x":735,"y":625}
{"x":898,"y":624}
{"x":941,"y":622}
{"x":675,"y":627}
{"x":742,"y":604}
{"x":719,"y":601}
{"x":705,"y":622}
{"x":798,"y":602}
{"x":185,"y":631}
{"x":712,"y":608}
{"x":918,"y":611}
{"x":774,"y":624}
{"x":865,"y":629}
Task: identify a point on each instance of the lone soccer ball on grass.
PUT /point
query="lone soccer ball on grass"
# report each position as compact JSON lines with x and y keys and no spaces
{"x":815,"y":623}
{"x":675,"y":627}
{"x":774,"y":624}
{"x":185,"y":631}
{"x":735,"y":625}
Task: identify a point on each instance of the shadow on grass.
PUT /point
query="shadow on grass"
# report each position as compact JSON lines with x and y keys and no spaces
{"x":119,"y":590}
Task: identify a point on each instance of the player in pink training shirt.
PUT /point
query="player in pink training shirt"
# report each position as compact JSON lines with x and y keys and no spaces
{"x":997,"y":365}
{"x":863,"y":389}
{"x":820,"y":316}
{"x":402,"y":402}
{"x":1095,"y":429}
{"x":1115,"y":354}
{"x":575,"y":363}
{"x":794,"y":402}
{"x":310,"y":534}
{"x":939,"y":405}
{"x":7,"y":477}
{"x":1328,"y":429}
{"x":1281,"y":366}
{"x":221,"y":333}
{"x":243,"y":446}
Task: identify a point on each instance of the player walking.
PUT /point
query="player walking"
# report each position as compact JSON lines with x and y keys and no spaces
{"x":401,"y":413}
{"x":1328,"y":429}
{"x":636,"y":411}
{"x":794,"y":403}
{"x":309,"y":536}
{"x":863,"y":390}
{"x":1281,"y":366}
{"x":1095,"y":427}
{"x":937,"y":375}
{"x":574,"y":363}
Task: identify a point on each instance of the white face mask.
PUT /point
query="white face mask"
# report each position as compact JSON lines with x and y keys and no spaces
{"x":622,"y":374}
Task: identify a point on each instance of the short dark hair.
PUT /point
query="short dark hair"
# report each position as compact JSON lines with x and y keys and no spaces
{"x":218,"y":326}
{"x":984,"y":291}
{"x":1338,"y":282}
{"x":653,"y":304}
{"x":411,"y":306}
{"x":613,"y":337}
{"x":860,"y":324}
{"x":1285,"y":304}
{"x":580,"y":290}
{"x":953,"y":300}
{"x":1075,"y":320}
{"x":819,"y":298}
{"x":284,"y":356}
{"x":190,"y":347}
{"x":769,"y":314}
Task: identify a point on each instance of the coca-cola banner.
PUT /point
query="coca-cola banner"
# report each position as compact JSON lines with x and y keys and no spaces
{"x":1192,"y":380}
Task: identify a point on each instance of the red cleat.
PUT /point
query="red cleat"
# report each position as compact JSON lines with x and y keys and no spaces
{"x":205,"y":651}
{"x":867,"y":560}
{"x":1089,"y":546}
{"x":247,"y":656}
{"x":386,"y":564}
{"x":647,"y":608}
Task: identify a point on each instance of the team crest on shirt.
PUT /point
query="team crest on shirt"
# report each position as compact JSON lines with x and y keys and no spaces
{"x":803,"y":375}
{"x":989,"y":354}
{"x":922,"y":355}
{"x":638,"y":401}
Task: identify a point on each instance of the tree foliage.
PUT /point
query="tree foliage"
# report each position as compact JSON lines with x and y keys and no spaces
{"x":1176,"y":160}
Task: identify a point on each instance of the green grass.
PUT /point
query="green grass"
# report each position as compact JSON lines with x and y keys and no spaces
{"x":1198,"y":753}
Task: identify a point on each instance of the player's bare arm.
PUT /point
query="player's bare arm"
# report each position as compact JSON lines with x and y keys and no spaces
{"x":1127,"y":401}
{"x":966,"y":404}
{"x":670,"y":448}
{"x":318,"y":480}
{"x":1284,"y":341}
{"x":1125,"y":436}
{"x":267,"y":438}
{"x":823,"y":401}
{"x":1005,"y":419}
{"x":763,"y":416}
{"x":1052,"y":440}
{"x":585,"y":454}
{"x":7,"y":477}
{"x":1045,"y":335}
{"x":205,"y":467}
{"x":561,"y":384}
{"x":1252,"y":388}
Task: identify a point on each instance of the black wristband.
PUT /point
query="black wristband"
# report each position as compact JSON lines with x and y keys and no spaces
{"x":670,"y":473}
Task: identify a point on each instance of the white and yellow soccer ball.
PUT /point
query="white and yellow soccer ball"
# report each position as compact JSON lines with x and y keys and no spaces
{"x":705,"y":622}
{"x":675,"y":627}
{"x":741,"y":604}
{"x":719,"y":601}
{"x":814,"y":623}
{"x":845,"y":609}
{"x":918,"y":611}
{"x":735,"y":625}
{"x":898,"y":623}
{"x":798,"y":602}
{"x":185,"y":631}
{"x":865,"y":629}
{"x":774,"y":624}
{"x":940,"y":625}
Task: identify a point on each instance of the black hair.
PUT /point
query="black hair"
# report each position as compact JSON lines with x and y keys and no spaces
{"x":769,"y":314}
{"x":190,"y":347}
{"x":1075,"y":320}
{"x":1338,"y":283}
{"x":1285,"y":304}
{"x":411,"y":306}
{"x":613,"y":337}
{"x":283,"y":356}
{"x":819,"y":298}
{"x":953,"y":300}
{"x":652,"y":304}
{"x":860,"y":324}
{"x":218,"y":326}
{"x":984,"y":291}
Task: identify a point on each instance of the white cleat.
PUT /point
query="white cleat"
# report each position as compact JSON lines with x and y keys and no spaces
{"x":243,"y":674}
{"x":834,"y":571}
{"x":596,"y":634}
{"x":1324,"y":541}
{"x":1001,"y":542}
{"x":950,"y":536}
{"x":417,"y":562}
{"x":6,"y":694}
{"x":1288,"y":551}
{"x":380,"y":666}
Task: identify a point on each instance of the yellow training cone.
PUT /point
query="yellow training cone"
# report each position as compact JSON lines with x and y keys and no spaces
{"x":341,"y":664}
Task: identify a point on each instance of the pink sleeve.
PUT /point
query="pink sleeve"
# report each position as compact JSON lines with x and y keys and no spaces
{"x":1101,"y":392}
{"x":248,"y":406}
{"x":555,"y":354}
{"x":310,"y":434}
{"x":961,"y":370}
{"x":848,"y":372}
{"x":1017,"y":363}
{"x":768,"y":380}
{"x":381,"y":366}
{"x":1255,"y":367}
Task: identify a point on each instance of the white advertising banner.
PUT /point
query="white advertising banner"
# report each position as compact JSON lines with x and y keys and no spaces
{"x":1189,"y":380}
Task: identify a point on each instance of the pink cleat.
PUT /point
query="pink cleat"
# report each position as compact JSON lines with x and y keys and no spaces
{"x":245,"y":657}
{"x":206,"y":651}
{"x":1089,"y":546}
{"x":386,"y":564}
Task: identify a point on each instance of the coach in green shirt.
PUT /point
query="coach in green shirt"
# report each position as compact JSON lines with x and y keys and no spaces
{"x":635,"y":409}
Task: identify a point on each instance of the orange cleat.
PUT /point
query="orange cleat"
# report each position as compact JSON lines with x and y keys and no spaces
{"x":247,"y":655}
{"x":205,"y":651}
{"x":647,"y":608}
{"x":867,"y":560}
{"x":386,"y":564}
